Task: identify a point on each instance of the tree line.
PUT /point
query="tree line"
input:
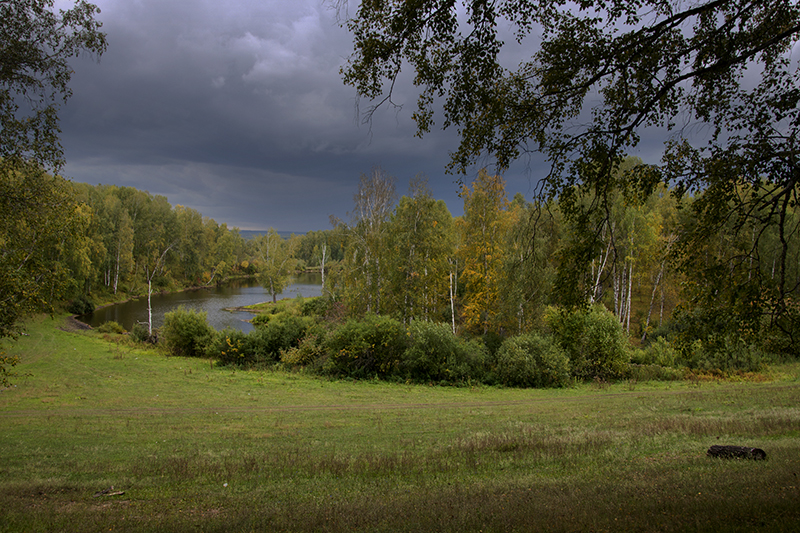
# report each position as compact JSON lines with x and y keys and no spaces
{"x":510,"y":293}
{"x":652,"y":260}
{"x":130,"y":242}
{"x":496,"y":271}
{"x":715,"y":78}
{"x":712,"y":228}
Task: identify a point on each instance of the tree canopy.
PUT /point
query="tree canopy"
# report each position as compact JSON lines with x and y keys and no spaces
{"x":715,"y":78}
{"x":37,"y":212}
{"x":36,"y":45}
{"x":611,"y":68}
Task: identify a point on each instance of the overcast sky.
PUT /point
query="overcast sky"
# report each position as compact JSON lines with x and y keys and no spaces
{"x":236,"y":108}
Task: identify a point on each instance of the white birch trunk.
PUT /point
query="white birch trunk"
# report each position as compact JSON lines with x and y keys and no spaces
{"x":149,"y":307}
{"x":630,"y":287}
{"x":652,"y":301}
{"x":322,"y":266}
{"x":452,"y":305}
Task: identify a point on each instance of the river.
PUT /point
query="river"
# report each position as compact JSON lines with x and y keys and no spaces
{"x":213,"y":301}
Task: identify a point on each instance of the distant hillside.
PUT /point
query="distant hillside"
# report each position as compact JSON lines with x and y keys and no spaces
{"x":249,"y":234}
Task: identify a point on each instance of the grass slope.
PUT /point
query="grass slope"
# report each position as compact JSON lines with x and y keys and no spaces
{"x":195,"y":447}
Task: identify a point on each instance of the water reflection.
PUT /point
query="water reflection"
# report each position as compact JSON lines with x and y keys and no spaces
{"x":212,"y":300}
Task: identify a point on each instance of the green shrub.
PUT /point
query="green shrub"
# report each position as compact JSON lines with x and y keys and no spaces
{"x":594,"y":341}
{"x":659,"y":352}
{"x":186,"y":332}
{"x":139,"y":333}
{"x":228,"y":347}
{"x":492,"y":340}
{"x":269,"y":311}
{"x":665,"y":331}
{"x":471,"y":361}
{"x":712,"y":339}
{"x":81,"y":305}
{"x":430,"y":346}
{"x":725,"y":353}
{"x":316,"y":306}
{"x":111,"y":327}
{"x":435,"y":354}
{"x":258,"y":346}
{"x":657,"y":361}
{"x":279,"y":311}
{"x":281,"y":332}
{"x":261,"y":319}
{"x":372,"y":346}
{"x":308,"y":350}
{"x":531,"y":360}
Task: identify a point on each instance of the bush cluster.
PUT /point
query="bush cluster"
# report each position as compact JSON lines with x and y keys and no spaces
{"x":712,"y":340}
{"x":140,"y":333}
{"x":532,"y":360}
{"x":725,"y":353}
{"x":382,"y":347}
{"x":434,"y":354}
{"x":186,"y":332}
{"x":111,"y":327}
{"x":265,"y":344}
{"x":578,"y":344}
{"x":372,"y":346}
{"x":594,"y":341}
{"x":230,"y":347}
{"x":659,"y":352}
{"x":81,"y":305}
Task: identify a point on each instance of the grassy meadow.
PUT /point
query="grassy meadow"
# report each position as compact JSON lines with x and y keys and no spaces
{"x":188,"y":446}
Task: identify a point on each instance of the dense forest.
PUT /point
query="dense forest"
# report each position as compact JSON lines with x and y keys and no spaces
{"x":120,"y":242}
{"x":496,"y":272}
{"x":697,"y":256}
{"x":498,"y":268}
{"x":515,"y":292}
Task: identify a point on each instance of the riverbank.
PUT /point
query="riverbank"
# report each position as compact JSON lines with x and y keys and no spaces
{"x":72,"y":324}
{"x":127,"y":297}
{"x":223,"y":304}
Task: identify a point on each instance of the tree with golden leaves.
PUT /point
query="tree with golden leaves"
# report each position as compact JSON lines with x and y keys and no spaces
{"x":483,"y":229}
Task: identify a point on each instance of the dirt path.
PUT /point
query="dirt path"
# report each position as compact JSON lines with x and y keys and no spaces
{"x":72,"y":324}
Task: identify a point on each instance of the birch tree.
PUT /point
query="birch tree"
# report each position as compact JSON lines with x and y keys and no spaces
{"x":275,"y":262}
{"x":365,"y":265}
{"x":483,"y":233}
{"x":420,"y":246}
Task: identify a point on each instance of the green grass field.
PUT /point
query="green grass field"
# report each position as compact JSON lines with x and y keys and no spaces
{"x":192,"y":447}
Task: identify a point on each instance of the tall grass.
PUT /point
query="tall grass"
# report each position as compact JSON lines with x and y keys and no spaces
{"x":196,"y":447}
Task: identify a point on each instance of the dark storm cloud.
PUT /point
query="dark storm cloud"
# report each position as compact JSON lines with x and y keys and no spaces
{"x":236,"y":109}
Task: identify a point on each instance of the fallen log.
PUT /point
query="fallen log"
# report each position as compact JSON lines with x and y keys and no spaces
{"x":736,"y":452}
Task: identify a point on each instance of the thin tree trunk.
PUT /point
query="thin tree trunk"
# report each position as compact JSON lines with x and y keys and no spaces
{"x":149,"y":307}
{"x":322,"y":269}
{"x":452,"y":304}
{"x":596,"y":281}
{"x":116,"y":270}
{"x":630,"y":288}
{"x":617,"y":289}
{"x":150,"y":275}
{"x":652,"y":301}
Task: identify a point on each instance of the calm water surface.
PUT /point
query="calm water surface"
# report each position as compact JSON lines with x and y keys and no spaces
{"x":213,"y":301}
